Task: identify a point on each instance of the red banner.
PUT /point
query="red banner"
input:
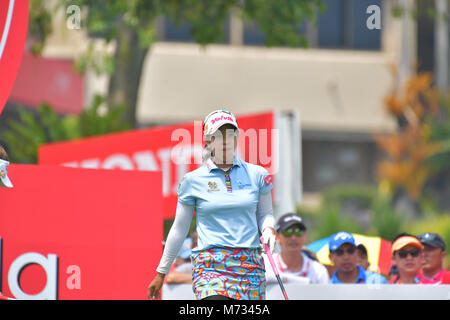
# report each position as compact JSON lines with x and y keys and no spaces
{"x":174,"y":150}
{"x":79,"y":234}
{"x":13,"y":33}
{"x":51,"y":80}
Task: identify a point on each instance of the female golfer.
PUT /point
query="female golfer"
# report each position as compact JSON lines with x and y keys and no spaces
{"x":232,"y":202}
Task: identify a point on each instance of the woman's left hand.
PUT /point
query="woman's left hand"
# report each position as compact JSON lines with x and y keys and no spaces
{"x":268,"y":237}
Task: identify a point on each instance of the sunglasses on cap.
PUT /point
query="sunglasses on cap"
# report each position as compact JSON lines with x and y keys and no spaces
{"x":340,"y":252}
{"x":291,"y":231}
{"x":402,"y":254}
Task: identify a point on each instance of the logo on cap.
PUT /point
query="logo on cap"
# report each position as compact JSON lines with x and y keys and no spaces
{"x":339,"y":239}
{"x":342,"y":236}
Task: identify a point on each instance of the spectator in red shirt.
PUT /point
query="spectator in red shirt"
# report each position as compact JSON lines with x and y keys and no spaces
{"x":446,"y":278}
{"x":434,"y":256}
{"x":407,"y":255}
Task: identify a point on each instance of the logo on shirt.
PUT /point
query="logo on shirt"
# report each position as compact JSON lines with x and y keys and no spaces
{"x":212,"y":186}
{"x":268,"y":180}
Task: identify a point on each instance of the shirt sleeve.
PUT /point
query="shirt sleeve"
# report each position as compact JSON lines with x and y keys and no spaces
{"x":322,"y":274}
{"x":285,"y":277}
{"x":185,"y":191}
{"x":264,"y":212}
{"x":264,"y":181}
{"x":175,"y":239}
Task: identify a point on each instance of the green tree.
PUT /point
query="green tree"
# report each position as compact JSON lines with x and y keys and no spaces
{"x":131,"y":24}
{"x":418,"y":152}
{"x":30,"y":131}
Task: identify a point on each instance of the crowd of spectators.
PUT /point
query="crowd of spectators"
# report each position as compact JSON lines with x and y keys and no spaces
{"x":415,"y":259}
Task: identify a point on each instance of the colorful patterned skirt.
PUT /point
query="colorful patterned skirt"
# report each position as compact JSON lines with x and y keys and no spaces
{"x":231,"y":272}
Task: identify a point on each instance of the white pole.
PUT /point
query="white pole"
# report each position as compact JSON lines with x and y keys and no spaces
{"x":408,"y":43}
{"x":441,"y":50}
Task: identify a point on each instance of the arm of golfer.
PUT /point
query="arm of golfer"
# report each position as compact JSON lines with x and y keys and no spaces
{"x":264,"y":216}
{"x":176,"y":236}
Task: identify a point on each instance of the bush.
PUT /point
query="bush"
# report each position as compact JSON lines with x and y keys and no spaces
{"x":350,"y":196}
{"x":386,"y":222}
{"x":331,"y":220}
{"x":356,"y":209}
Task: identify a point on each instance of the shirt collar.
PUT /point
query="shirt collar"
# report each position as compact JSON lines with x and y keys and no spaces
{"x":211,"y":165}
{"x":436,"y":278}
{"x":284,"y":267}
{"x":361,"y":276}
{"x":397,"y":280}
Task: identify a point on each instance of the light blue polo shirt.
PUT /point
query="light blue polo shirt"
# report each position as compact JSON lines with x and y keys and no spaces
{"x":225,"y":219}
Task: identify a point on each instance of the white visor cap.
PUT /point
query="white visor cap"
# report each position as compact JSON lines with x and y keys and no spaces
{"x":216,"y":119}
{"x":4,"y":180}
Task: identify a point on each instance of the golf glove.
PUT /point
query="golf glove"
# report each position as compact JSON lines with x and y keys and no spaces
{"x":268,"y":237}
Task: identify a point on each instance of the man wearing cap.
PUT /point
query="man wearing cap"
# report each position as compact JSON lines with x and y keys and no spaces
{"x":4,"y":164}
{"x":407,"y":255}
{"x":293,"y":263}
{"x":342,"y":248}
{"x":433,"y":258}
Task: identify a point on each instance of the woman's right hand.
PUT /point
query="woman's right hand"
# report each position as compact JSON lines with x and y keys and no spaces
{"x":153,"y":291}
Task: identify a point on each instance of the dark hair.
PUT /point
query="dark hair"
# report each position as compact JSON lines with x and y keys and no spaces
{"x":393,"y":270}
{"x":361,"y":248}
{"x":3,"y":154}
{"x":403,"y":234}
{"x":310,"y":254}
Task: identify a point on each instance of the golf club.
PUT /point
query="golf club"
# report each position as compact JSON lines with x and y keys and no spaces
{"x":274,"y":268}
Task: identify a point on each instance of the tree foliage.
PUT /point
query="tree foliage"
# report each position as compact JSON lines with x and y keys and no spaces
{"x":420,"y":148}
{"x":31,"y":131}
{"x":132,"y":25}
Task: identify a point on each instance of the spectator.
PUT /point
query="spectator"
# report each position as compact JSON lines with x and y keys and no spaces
{"x":3,"y":154}
{"x":446,"y":278}
{"x":181,"y":271}
{"x":4,"y":180}
{"x":407,"y":254}
{"x":342,"y":248}
{"x":4,"y":164}
{"x":293,"y":262}
{"x":433,"y":258}
{"x":362,"y":259}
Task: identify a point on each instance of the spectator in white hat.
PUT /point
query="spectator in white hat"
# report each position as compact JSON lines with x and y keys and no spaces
{"x":293,"y":262}
{"x":4,"y":164}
